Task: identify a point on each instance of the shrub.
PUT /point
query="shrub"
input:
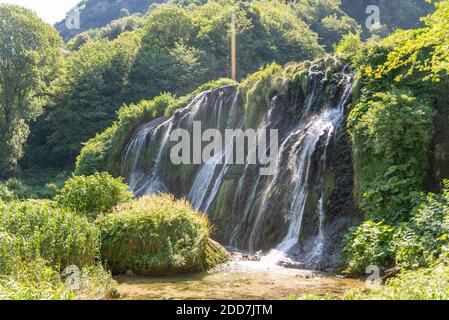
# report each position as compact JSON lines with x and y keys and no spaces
{"x":156,"y":235}
{"x":5,"y":193}
{"x":421,"y":242}
{"x":349,"y":47}
{"x":13,"y":189}
{"x":41,"y":229}
{"x":93,"y":195}
{"x":423,"y":284}
{"x":368,"y":244}
{"x":35,"y":184}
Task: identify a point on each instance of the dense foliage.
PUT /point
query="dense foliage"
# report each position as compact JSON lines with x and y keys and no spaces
{"x":156,"y":235}
{"x":93,"y":195}
{"x":401,"y":87}
{"x":115,"y":75}
{"x":391,"y":134}
{"x":41,"y":229}
{"x":29,"y":55}
{"x":420,"y":242}
{"x":103,"y":153}
{"x":85,"y":97}
{"x":177,"y":50}
{"x":110,"y":32}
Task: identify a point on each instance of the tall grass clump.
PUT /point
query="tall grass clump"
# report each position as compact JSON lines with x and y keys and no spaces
{"x":156,"y":235}
{"x":93,"y":195}
{"x":39,"y":229}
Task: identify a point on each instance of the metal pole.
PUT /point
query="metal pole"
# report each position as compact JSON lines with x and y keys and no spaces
{"x":233,"y":48}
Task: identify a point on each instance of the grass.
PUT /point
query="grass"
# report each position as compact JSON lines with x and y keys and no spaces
{"x":38,"y":240}
{"x":43,"y":230}
{"x":35,"y":280}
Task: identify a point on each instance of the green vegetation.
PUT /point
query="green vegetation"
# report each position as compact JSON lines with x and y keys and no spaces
{"x":34,"y":184}
{"x":85,"y":97}
{"x":392,"y":126}
{"x":98,"y":13}
{"x":34,"y":281}
{"x":29,"y":55}
{"x":103,"y":153}
{"x":157,"y":235}
{"x":110,"y":32}
{"x":38,"y":241}
{"x":172,"y":49}
{"x":83,"y":101}
{"x":43,"y":230}
{"x":398,"y":14}
{"x":424,"y":284}
{"x":391,"y":134}
{"x":41,"y":241}
{"x":419,"y":242}
{"x":93,"y":195}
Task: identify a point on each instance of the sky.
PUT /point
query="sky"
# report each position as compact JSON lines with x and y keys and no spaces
{"x":50,"y":11}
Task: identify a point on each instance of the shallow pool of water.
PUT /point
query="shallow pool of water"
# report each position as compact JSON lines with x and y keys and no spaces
{"x":238,"y":280}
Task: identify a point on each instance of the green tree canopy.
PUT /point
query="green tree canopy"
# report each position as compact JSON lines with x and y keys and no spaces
{"x":29,"y":55}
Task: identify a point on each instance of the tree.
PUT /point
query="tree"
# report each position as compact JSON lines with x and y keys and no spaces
{"x":29,"y":56}
{"x":84,"y":99}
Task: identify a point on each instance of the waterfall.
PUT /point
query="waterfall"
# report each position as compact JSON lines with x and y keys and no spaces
{"x":284,"y":214}
{"x":204,"y":178}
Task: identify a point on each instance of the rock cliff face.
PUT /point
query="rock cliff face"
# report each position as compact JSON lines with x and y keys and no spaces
{"x":303,"y":208}
{"x":98,"y":13}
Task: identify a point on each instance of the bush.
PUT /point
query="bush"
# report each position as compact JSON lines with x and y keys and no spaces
{"x":34,"y":184}
{"x":93,"y":195}
{"x":13,"y":189}
{"x":156,"y":235}
{"x":424,"y":284}
{"x":368,"y":244}
{"x":421,"y":242}
{"x":5,"y":193}
{"x":37,"y":229}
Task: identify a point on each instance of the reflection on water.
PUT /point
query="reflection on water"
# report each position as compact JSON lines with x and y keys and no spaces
{"x":237,"y":280}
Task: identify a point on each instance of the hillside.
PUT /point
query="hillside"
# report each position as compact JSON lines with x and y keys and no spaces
{"x":404,"y":14}
{"x":98,"y":13}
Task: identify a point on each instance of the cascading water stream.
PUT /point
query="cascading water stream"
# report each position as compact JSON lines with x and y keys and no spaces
{"x":204,"y":178}
{"x":324,"y":125}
